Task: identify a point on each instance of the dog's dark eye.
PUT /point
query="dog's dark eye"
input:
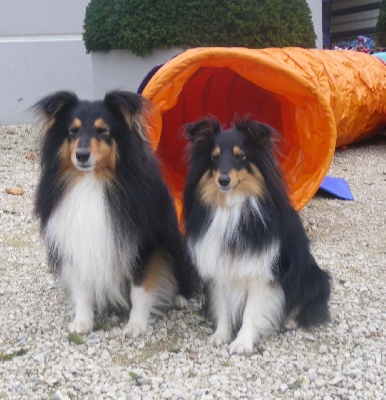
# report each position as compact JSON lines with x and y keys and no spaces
{"x":73,"y":131}
{"x":102,"y":131}
{"x":215,"y":157}
{"x":240,"y":157}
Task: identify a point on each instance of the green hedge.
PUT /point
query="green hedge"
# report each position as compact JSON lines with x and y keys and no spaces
{"x":145,"y":25}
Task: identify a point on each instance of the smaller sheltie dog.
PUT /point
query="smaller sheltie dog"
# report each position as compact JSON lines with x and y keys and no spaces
{"x":106,"y":215}
{"x":245,"y":239}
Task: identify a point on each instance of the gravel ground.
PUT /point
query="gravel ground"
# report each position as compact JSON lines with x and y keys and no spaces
{"x":343,"y":360}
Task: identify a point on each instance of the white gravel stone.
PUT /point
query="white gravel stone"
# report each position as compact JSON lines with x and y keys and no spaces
{"x":344,"y":359}
{"x":283,"y":387}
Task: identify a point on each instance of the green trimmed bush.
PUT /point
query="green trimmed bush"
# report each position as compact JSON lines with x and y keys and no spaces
{"x":145,"y":25}
{"x":381,"y":25}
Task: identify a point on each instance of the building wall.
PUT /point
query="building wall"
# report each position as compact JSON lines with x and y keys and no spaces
{"x":41,"y":51}
{"x":350,"y":18}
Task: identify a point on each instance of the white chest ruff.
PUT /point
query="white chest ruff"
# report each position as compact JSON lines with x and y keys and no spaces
{"x":215,"y":262}
{"x":81,"y":232}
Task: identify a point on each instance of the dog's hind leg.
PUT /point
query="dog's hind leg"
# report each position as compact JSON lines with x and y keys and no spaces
{"x":311,"y":297}
{"x":315,"y":294}
{"x":262,"y":314}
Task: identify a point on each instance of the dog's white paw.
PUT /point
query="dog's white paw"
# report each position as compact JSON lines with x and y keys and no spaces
{"x":134,"y":329}
{"x":81,"y":326}
{"x":241,"y":346}
{"x":219,"y":338}
{"x":180,"y":301}
{"x":291,"y":324}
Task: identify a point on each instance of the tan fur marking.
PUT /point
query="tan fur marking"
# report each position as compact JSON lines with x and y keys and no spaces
{"x":250,"y":184}
{"x":238,"y":152}
{"x":65,"y":152}
{"x":216,"y":152}
{"x":242,"y":182}
{"x":76,"y":124}
{"x":235,"y":178}
{"x":127,"y":116}
{"x":69,"y":173}
{"x":209,"y":192}
{"x":46,"y":122}
{"x":100,"y":124}
{"x":104,"y":156}
{"x":153,"y":271}
{"x":136,"y":122}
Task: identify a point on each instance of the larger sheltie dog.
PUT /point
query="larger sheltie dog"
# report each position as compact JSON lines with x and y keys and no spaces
{"x":106,"y":215}
{"x":245,"y":238}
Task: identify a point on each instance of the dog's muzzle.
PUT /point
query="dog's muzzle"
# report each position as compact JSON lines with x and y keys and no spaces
{"x":83,"y":160}
{"x":83,"y":155}
{"x":224,"y":182}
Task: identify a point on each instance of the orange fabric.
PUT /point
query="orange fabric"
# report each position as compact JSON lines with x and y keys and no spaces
{"x":317,"y":100}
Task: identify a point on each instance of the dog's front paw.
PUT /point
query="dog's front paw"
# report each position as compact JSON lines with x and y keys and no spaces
{"x":219,"y":337}
{"x":241,"y":346}
{"x":134,"y":329}
{"x":81,"y":326}
{"x":291,"y":324}
{"x":180,"y":301}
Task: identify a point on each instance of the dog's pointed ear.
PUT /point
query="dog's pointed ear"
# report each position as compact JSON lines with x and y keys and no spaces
{"x":48,"y":107}
{"x":131,"y":107}
{"x":202,"y":129}
{"x":259,"y":133}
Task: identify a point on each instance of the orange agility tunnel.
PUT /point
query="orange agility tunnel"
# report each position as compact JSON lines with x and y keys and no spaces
{"x":316,"y":99}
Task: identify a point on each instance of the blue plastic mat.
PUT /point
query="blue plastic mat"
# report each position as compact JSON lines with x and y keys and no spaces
{"x":337,"y":187}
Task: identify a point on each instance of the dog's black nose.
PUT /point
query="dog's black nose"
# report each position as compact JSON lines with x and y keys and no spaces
{"x":224,"y":180}
{"x":82,"y":155}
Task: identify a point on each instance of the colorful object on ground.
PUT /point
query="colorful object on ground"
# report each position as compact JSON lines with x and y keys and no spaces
{"x":381,"y":55}
{"x":337,"y":187}
{"x":316,"y":99}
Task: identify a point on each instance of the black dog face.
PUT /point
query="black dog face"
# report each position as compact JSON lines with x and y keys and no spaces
{"x":85,"y":133}
{"x":230,"y":166}
{"x":236,"y":159}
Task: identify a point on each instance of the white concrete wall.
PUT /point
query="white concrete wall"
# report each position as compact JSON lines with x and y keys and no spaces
{"x":41,"y":51}
{"x":121,"y":69}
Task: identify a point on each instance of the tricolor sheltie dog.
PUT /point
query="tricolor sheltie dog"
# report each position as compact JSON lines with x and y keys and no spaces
{"x":106,"y":215}
{"x":245,"y":239}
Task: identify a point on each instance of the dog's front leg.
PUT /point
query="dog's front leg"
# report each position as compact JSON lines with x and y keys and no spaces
{"x":83,"y":298}
{"x":141,"y":303}
{"x":222,"y":315}
{"x":262,"y":314}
